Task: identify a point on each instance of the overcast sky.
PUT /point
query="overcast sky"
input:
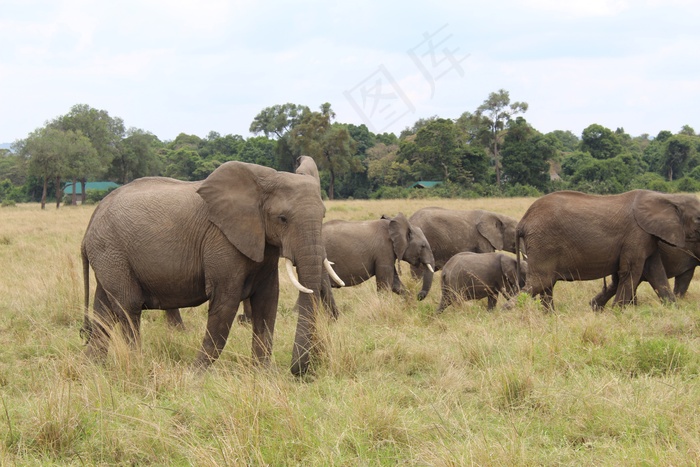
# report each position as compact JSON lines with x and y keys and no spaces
{"x":169,"y":66}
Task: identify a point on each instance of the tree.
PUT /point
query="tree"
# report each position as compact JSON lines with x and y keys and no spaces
{"x":679,"y":150}
{"x":277,"y":121}
{"x":568,"y":140}
{"x":496,"y":112}
{"x":600,"y":142}
{"x":383,"y":168}
{"x":138,"y":156}
{"x":329,"y":144}
{"x":45,"y":148}
{"x":526,"y":154}
{"x":80,"y":159}
{"x":258,"y":150}
{"x":104,"y":132}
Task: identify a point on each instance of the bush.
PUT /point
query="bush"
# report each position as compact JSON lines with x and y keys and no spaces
{"x":519,"y":190}
{"x":688,"y":185}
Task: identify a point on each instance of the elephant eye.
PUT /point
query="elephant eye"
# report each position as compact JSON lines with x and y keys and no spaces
{"x":282,"y":218}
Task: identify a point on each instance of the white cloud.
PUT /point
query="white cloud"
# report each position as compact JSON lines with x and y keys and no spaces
{"x":581,"y":7}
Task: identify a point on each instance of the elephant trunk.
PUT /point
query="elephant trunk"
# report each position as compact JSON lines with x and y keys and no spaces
{"x":309,"y":263}
{"x":428,"y":267}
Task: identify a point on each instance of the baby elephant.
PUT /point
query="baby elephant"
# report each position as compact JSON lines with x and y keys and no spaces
{"x":473,"y":276}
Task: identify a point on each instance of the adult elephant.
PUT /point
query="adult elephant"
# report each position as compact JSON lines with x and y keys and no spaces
{"x":575,"y":236}
{"x":450,"y":231}
{"x":160,"y":243}
{"x":678,"y":263}
{"x":305,"y":166}
{"x":364,"y":249}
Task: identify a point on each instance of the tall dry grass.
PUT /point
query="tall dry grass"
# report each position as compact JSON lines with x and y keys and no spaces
{"x":392,"y":382}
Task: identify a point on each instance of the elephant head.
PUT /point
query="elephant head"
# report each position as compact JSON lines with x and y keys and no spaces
{"x":255,"y":206}
{"x":498,"y":230}
{"x":410,"y":245}
{"x":674,"y":219}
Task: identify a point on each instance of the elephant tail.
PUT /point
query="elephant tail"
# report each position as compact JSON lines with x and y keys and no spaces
{"x":86,"y":330}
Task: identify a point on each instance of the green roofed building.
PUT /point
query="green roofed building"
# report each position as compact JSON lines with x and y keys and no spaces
{"x":89,"y":186}
{"x":425,"y":184}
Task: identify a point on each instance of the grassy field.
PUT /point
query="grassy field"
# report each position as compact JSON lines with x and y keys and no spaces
{"x":394,"y":384}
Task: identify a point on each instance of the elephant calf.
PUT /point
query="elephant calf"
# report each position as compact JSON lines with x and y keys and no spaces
{"x":473,"y":276}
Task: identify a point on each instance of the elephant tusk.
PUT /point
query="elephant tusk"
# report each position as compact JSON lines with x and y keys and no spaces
{"x":430,"y":268}
{"x":293,"y":278}
{"x":328,"y":265}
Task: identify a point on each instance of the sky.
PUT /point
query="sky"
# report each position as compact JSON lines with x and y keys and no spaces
{"x":181,"y":66}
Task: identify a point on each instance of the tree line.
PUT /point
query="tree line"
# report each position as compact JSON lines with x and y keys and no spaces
{"x":491,"y":151}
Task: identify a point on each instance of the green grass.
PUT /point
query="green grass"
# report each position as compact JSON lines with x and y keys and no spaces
{"x":392,"y":382}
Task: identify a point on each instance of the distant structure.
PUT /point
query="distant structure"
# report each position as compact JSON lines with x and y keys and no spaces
{"x":89,"y":186}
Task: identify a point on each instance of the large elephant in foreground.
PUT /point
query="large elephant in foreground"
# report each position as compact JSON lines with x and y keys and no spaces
{"x":305,"y":166}
{"x":575,"y":236}
{"x":678,"y":263}
{"x":364,"y":249}
{"x":160,"y":243}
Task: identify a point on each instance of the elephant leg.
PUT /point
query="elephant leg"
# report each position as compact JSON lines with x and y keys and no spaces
{"x":101,"y":325}
{"x":598,"y":302}
{"x":222,"y":310}
{"x":327,"y":296}
{"x":247,"y":316}
{"x":655,"y":273}
{"x":109,"y":310}
{"x":386,"y":277}
{"x":536,"y":286}
{"x":396,"y":285}
{"x":173,"y":318}
{"x":547,"y":298}
{"x":492,"y":300}
{"x":445,"y":300}
{"x":629,"y":279}
{"x":263,"y":309}
{"x":682,"y":282}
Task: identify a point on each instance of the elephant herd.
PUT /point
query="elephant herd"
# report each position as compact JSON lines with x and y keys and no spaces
{"x":159,"y":243}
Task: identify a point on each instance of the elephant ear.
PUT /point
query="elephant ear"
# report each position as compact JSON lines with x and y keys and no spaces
{"x":233,"y":197}
{"x":307,"y":166}
{"x":399,"y":232}
{"x":491,"y":228}
{"x":659,"y":216}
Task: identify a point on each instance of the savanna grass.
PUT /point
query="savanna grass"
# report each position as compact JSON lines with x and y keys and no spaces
{"x":392,"y":382}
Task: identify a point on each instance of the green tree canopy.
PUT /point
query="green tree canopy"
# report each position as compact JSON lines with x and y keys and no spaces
{"x":44,"y":148}
{"x":277,"y":122}
{"x":526,"y":154}
{"x":329,"y":144}
{"x":496,"y":112}
{"x":600,"y":142}
{"x":139,"y":156}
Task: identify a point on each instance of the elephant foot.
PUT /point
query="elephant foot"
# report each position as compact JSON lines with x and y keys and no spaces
{"x":595,"y":306}
{"x":175,"y":324}
{"x":243,"y":319}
